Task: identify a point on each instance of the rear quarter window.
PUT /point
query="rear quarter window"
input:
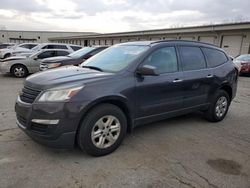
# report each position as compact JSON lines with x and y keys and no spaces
{"x":214,"y":57}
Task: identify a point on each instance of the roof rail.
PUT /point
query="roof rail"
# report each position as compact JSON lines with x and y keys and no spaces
{"x":179,"y":40}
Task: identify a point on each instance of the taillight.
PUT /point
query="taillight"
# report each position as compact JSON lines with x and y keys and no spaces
{"x":245,"y":63}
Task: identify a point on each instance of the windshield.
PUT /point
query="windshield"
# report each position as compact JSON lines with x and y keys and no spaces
{"x":243,"y":58}
{"x":81,"y":52}
{"x":38,"y":47}
{"x":115,"y":58}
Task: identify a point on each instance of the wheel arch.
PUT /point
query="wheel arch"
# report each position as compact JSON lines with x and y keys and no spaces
{"x":118,"y":101}
{"x":12,"y":66}
{"x":228,"y":89}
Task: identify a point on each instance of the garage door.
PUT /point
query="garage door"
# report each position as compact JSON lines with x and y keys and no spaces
{"x":232,"y":44}
{"x":109,"y":42}
{"x":155,"y":38}
{"x":207,"y":39}
{"x":186,"y":38}
{"x":116,"y":41}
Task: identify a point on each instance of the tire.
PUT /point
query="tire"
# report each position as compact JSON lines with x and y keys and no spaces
{"x":218,"y":107}
{"x":6,"y":55}
{"x":19,"y":71}
{"x":107,"y":139}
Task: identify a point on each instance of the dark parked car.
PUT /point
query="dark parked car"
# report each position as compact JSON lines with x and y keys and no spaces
{"x":74,"y":58}
{"x":127,"y":85}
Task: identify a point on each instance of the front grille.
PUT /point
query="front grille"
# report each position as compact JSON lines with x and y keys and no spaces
{"x":21,"y":120}
{"x":38,"y":128}
{"x":29,"y":94}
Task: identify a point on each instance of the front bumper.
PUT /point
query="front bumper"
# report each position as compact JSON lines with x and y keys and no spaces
{"x":60,"y":135}
{"x":4,"y":68}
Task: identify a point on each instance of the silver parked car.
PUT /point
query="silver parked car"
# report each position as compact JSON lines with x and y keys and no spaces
{"x":21,"y":66}
{"x":16,"y":49}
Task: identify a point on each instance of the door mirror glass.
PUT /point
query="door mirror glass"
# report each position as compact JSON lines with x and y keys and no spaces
{"x":147,"y":70}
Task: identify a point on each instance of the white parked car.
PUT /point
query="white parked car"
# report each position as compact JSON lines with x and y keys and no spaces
{"x":70,"y":47}
{"x":21,"y":66}
{"x":16,"y":49}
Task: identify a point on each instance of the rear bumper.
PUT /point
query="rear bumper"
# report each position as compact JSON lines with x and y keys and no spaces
{"x":245,"y":69}
{"x":60,"y":134}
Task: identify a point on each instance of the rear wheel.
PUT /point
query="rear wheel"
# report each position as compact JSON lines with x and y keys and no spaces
{"x":19,"y":71}
{"x":102,"y":130}
{"x":218,"y":107}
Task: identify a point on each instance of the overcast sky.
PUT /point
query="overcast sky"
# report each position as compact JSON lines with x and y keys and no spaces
{"x":118,"y":15}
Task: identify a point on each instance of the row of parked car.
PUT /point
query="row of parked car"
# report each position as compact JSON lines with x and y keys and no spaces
{"x":23,"y":59}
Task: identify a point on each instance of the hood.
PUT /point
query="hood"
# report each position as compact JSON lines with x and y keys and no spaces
{"x":56,"y":59}
{"x":64,"y":76}
{"x":14,"y":58}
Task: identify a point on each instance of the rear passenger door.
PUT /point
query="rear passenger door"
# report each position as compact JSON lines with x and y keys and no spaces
{"x":197,"y":77}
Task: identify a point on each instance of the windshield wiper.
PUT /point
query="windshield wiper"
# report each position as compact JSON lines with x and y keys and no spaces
{"x":94,"y":68}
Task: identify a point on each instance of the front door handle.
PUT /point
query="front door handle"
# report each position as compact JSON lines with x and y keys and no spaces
{"x":210,"y":76}
{"x":177,"y":80}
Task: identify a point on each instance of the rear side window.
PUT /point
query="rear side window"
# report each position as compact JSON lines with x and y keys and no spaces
{"x":61,"y":53}
{"x":25,"y":46}
{"x":192,"y":58}
{"x":214,"y":57}
{"x":55,"y":47}
{"x":75,"y":48}
{"x":163,"y":59}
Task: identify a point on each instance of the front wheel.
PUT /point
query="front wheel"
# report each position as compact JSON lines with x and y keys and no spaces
{"x":102,"y":130}
{"x":19,"y":71}
{"x":218,"y":107}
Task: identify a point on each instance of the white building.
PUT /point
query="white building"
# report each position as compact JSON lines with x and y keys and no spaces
{"x":34,"y":36}
{"x":233,"y":38}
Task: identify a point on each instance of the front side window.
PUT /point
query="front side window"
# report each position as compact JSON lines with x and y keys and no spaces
{"x":214,"y":57}
{"x":163,"y":59}
{"x":25,"y":46}
{"x":61,"y":53}
{"x":192,"y":58}
{"x":46,"y":54}
{"x":116,"y":58}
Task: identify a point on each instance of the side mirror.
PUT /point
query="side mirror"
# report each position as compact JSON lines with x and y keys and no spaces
{"x":35,"y":58}
{"x":147,"y":70}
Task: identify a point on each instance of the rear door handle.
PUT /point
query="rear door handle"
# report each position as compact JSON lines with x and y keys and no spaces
{"x":210,"y":76}
{"x":177,"y":80}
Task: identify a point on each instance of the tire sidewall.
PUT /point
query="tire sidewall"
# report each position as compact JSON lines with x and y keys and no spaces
{"x":15,"y":66}
{"x":84,"y":134}
{"x":220,"y":94}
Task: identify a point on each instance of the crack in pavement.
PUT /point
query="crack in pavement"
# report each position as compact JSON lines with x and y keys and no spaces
{"x":10,"y":129}
{"x":183,"y":182}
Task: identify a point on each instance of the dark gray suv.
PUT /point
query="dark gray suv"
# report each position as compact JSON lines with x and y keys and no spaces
{"x":95,"y":105}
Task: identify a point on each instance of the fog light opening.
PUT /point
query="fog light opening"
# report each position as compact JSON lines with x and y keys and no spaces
{"x":46,"y":121}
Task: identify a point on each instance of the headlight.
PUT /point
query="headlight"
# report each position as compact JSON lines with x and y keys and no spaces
{"x":53,"y":65}
{"x":59,"y":95}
